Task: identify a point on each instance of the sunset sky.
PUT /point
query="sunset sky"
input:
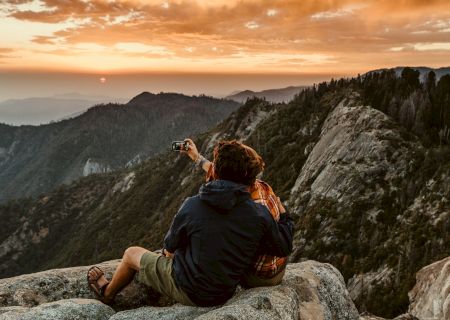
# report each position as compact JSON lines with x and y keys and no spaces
{"x":295,"y":38}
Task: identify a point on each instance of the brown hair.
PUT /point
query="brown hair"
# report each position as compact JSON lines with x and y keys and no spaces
{"x":237,"y":162}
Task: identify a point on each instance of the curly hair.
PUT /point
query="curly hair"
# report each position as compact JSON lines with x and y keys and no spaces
{"x":237,"y":162}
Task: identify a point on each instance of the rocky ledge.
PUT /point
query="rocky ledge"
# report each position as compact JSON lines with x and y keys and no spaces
{"x":310,"y":290}
{"x":430,"y":297}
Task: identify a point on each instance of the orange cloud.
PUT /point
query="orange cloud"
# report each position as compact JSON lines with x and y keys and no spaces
{"x":7,"y":53}
{"x":287,"y":36}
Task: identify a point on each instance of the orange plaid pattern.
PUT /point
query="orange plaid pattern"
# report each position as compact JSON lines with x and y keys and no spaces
{"x":266,"y":266}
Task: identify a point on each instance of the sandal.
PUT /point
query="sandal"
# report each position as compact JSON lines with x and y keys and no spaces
{"x":94,"y":286}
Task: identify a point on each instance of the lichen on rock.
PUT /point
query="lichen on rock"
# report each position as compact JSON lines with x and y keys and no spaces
{"x":60,"y":310}
{"x":310,"y":290}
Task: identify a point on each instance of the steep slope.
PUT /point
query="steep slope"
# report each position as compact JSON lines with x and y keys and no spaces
{"x":429,"y":297}
{"x":37,"y":159}
{"x":369,"y":191}
{"x":351,"y":190}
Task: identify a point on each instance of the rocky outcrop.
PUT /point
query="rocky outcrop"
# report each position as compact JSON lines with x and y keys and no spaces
{"x":405,"y":316}
{"x":362,"y":284}
{"x":91,"y":167}
{"x":430,"y":297}
{"x":356,"y":144}
{"x":310,"y":290}
{"x":59,"y":310}
{"x":125,"y":184}
{"x":69,"y":283}
{"x":358,"y":182}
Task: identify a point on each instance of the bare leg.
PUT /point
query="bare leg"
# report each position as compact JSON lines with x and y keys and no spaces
{"x":125,"y":271}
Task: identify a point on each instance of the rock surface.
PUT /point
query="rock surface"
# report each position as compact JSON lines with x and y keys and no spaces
{"x":430,"y":297}
{"x":60,"y":310}
{"x":310,"y":290}
{"x":69,"y":283}
{"x":405,"y":316}
{"x":354,"y":145}
{"x":91,"y":167}
{"x":166,"y":313}
{"x":361,"y":284}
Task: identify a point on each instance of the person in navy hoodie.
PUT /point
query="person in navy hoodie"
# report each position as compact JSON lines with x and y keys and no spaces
{"x":213,"y":240}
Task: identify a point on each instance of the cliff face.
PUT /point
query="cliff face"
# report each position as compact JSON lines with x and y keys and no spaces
{"x":368,"y":187}
{"x":349,"y":193}
{"x":310,"y":290}
{"x":430,"y":297}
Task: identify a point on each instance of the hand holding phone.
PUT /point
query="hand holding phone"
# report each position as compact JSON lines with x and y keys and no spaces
{"x":180,"y":145}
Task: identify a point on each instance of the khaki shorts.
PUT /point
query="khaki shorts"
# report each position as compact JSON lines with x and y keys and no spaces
{"x":156,"y":272}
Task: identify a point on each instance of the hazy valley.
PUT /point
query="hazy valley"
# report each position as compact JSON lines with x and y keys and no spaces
{"x":42,"y":110}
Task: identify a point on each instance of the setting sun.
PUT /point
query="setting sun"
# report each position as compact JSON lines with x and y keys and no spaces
{"x":210,"y":47}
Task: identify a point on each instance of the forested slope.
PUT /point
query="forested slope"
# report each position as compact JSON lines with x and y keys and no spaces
{"x":36,"y":159}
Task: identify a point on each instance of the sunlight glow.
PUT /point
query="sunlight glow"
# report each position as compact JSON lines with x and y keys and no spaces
{"x":432,"y":46}
{"x":223,"y":35}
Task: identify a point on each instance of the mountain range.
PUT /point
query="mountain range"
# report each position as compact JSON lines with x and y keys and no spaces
{"x":363,"y":165}
{"x":271,"y":95}
{"x":439,"y":72}
{"x":35,"y":159}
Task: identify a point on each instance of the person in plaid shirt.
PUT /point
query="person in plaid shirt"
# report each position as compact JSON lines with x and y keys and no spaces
{"x":267,"y":270}
{"x":215,"y":236}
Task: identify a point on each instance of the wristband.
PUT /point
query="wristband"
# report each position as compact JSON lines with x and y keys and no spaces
{"x":202,"y":162}
{"x":199,"y":160}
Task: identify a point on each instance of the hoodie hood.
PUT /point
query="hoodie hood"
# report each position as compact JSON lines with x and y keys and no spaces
{"x":223,"y":194}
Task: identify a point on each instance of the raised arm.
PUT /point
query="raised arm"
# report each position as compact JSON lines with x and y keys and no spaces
{"x":196,"y":156}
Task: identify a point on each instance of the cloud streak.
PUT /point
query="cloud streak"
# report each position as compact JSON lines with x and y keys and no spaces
{"x":275,"y":36}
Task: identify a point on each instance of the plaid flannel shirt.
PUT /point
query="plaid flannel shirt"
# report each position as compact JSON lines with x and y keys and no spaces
{"x":265,"y":266}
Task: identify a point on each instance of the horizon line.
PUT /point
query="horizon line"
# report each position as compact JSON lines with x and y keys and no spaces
{"x":202,"y":72}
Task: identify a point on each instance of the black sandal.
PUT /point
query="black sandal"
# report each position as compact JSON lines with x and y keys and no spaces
{"x":93,"y":284}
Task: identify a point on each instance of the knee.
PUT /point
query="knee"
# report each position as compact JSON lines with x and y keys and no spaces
{"x":129,"y":253}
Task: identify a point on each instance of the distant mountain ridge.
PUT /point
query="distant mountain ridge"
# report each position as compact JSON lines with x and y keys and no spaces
{"x":423,"y":71}
{"x":42,"y":110}
{"x":271,"y":95}
{"x":35,"y":159}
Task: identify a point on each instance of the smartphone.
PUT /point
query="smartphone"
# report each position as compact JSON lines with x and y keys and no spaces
{"x":180,"y":145}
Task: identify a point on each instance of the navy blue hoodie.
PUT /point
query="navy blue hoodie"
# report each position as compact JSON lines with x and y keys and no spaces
{"x":217,"y":235}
